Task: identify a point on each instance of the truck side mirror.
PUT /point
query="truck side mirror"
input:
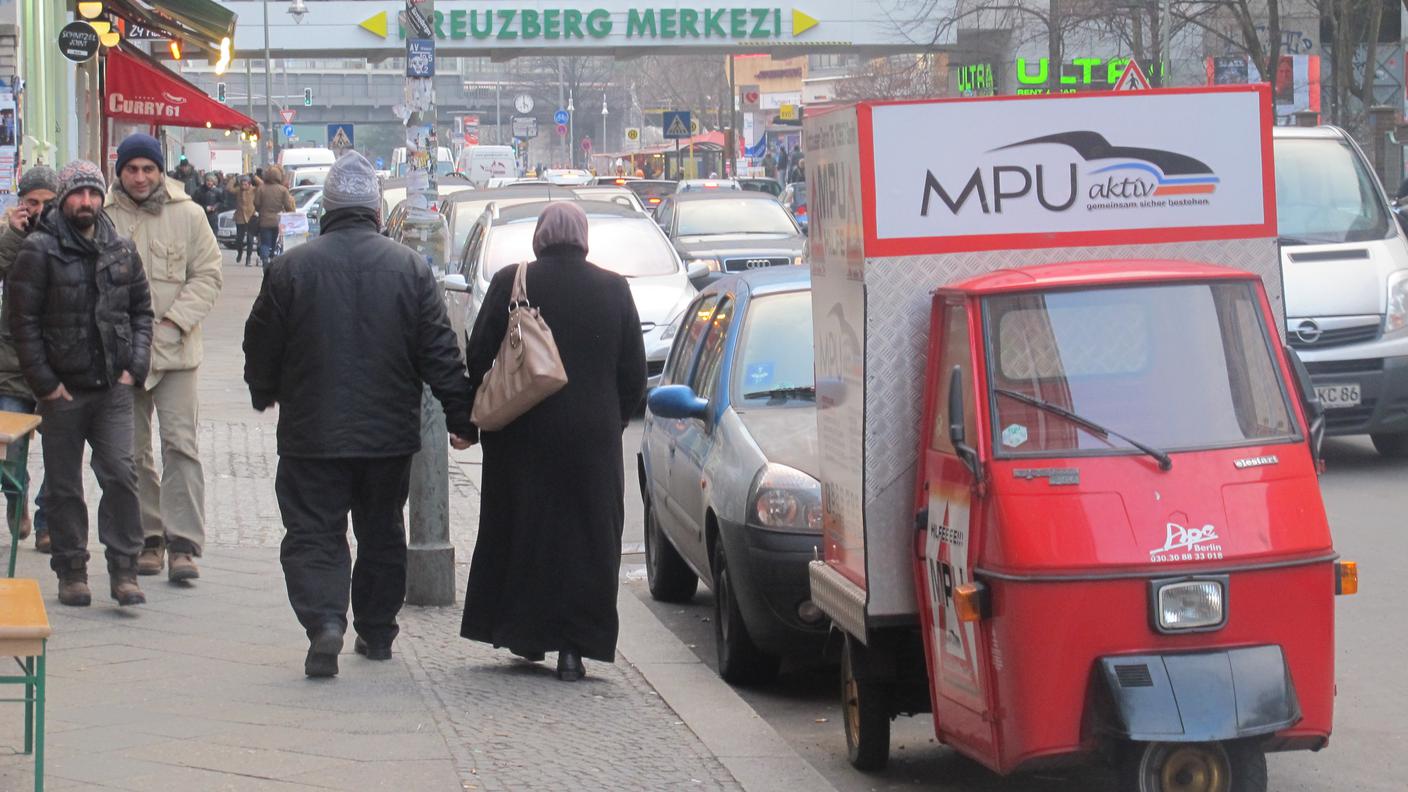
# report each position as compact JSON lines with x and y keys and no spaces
{"x":956,"y":432}
{"x":1314,"y":409}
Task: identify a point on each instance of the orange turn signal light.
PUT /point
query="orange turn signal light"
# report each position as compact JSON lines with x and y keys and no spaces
{"x":970,"y":600}
{"x":1346,"y":578}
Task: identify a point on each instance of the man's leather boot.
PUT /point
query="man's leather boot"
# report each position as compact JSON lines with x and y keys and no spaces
{"x":181,"y":567}
{"x":123,"y":574}
{"x":150,"y":561}
{"x":73,"y":588}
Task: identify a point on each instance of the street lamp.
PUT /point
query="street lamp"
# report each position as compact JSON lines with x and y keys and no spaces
{"x":603,"y":122}
{"x":297,"y":9}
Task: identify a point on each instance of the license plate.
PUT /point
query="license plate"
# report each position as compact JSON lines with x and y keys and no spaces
{"x":1336,"y":396}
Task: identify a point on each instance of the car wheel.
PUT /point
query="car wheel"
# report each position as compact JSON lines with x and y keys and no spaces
{"x":1391,"y":445}
{"x":741,"y":662}
{"x":669,"y":578}
{"x":865,"y":705}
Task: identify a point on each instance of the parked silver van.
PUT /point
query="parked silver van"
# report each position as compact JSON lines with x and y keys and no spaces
{"x":1344,"y":263}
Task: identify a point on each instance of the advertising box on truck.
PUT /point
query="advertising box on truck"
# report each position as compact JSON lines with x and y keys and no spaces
{"x":897,"y":212}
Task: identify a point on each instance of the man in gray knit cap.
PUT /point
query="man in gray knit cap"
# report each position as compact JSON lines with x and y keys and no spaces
{"x":81,"y":315}
{"x":38,"y":186}
{"x":346,"y":329}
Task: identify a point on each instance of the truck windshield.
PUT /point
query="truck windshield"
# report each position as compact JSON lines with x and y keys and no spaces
{"x":1179,"y":367}
{"x":1325,"y":195}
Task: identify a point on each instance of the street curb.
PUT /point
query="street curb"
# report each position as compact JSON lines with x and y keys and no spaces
{"x":751,"y":749}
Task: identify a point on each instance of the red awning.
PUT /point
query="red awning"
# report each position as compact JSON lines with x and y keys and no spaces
{"x":140,"y":89}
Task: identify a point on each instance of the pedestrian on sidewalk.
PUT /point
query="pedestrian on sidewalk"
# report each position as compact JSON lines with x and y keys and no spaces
{"x":183,"y":264}
{"x":346,"y":330}
{"x":246,"y":231}
{"x":544,"y":574}
{"x":271,"y":200}
{"x":37,"y":188}
{"x":81,"y":315}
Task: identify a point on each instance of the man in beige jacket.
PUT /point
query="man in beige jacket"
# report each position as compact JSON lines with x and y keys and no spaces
{"x":183,"y":263}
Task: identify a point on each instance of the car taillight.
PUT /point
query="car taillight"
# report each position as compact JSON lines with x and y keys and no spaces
{"x":710,"y":186}
{"x":620,"y":182}
{"x":802,"y":210}
{"x":654,"y":200}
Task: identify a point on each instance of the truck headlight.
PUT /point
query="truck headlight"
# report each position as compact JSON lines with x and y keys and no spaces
{"x":785,"y":499}
{"x":1190,"y":604}
{"x":1396,"y":316}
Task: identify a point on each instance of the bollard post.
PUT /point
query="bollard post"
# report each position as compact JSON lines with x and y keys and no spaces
{"x":430,"y":558}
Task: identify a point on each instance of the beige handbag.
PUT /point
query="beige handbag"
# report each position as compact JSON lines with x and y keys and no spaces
{"x":527,"y":369}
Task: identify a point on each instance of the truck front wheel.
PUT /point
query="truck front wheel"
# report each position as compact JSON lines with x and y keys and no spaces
{"x":1193,"y":767}
{"x":865,"y":705}
{"x":1391,"y":445}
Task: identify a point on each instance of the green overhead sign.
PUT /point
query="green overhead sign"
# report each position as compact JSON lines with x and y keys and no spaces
{"x":553,"y":24}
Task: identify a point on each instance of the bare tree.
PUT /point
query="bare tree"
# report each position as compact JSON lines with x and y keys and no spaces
{"x":893,"y":77}
{"x":686,"y":82}
{"x":1354,"y":27}
{"x":1236,"y":24}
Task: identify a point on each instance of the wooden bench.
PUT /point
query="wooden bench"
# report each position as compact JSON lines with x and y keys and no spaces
{"x":15,"y":429}
{"x":24,"y":635}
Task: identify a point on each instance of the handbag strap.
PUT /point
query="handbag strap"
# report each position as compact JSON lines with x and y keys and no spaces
{"x":520,"y":289}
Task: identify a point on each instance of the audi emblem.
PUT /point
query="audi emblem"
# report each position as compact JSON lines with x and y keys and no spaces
{"x":753,"y":264}
{"x":1308,"y":331}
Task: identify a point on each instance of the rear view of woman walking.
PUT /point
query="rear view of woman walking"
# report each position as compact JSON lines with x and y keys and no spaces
{"x":544,"y":574}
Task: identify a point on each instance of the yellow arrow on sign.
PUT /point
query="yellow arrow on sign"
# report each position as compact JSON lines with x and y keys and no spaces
{"x":377,"y":24}
{"x":802,"y":22}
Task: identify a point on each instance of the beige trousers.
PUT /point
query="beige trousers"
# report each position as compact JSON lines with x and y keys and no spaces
{"x":173,"y":505}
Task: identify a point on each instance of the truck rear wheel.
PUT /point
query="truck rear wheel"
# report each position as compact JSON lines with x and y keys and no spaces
{"x":865,"y":706}
{"x":1193,"y":767}
{"x":1391,"y":445}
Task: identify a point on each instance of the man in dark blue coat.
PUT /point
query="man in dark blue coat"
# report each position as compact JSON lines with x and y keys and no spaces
{"x":345,"y":330}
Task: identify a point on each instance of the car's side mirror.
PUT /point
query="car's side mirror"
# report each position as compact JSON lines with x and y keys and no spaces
{"x":677,"y":401}
{"x":697,"y":272}
{"x":456,"y":283}
{"x":957,"y":434}
{"x":1314,"y":409}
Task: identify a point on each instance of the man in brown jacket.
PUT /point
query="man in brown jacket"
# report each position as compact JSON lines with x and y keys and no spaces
{"x":246,"y":233}
{"x":183,"y":261}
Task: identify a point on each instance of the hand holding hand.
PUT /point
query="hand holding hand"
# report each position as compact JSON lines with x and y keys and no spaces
{"x":459,"y":443}
{"x":59,"y":393}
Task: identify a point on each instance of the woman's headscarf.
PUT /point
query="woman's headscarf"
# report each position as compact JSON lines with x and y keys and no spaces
{"x":562,"y":223}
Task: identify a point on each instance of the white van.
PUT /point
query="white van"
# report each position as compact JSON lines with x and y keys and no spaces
{"x":482,"y":163}
{"x":1344,"y":263}
{"x":303,"y":157}
{"x":444,"y":162}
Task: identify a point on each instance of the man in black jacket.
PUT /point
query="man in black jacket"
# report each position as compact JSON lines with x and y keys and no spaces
{"x":346,"y":329}
{"x":81,"y":317}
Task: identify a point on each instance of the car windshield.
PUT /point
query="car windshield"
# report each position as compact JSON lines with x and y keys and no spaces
{"x":466,"y":212}
{"x":1179,"y":366}
{"x":774,"y":363}
{"x":443,"y":167}
{"x":733,"y":216}
{"x":799,"y":194}
{"x":651,"y":189}
{"x":303,"y":197}
{"x":1324,"y":194}
{"x":633,"y":247}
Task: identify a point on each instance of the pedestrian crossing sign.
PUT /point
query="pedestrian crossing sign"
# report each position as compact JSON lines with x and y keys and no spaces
{"x":340,"y":137}
{"x":1132,"y":78}
{"x":676,"y":124}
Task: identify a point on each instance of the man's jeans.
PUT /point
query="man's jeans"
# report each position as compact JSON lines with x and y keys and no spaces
{"x":268,"y":241}
{"x":173,"y":504}
{"x":103,"y":420}
{"x":17,"y":452}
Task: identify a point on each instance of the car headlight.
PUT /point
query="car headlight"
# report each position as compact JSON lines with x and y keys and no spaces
{"x":1191,"y":604}
{"x":1396,"y":317}
{"x":797,"y":261}
{"x":711,"y":263}
{"x":785,"y":499}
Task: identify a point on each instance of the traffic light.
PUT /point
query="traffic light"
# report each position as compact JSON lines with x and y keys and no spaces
{"x":220,"y":92}
{"x":307,"y":97}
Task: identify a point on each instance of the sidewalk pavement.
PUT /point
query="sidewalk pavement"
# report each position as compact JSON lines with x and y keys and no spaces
{"x":202,"y":688}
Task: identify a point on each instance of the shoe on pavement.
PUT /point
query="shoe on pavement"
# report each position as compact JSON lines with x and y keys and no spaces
{"x":323,"y":648}
{"x":41,"y":542}
{"x":73,"y":589}
{"x":150,"y":561}
{"x":181,"y":567}
{"x":569,"y":667}
{"x":125,"y":589}
{"x":372,"y":651}
{"x":26,"y":527}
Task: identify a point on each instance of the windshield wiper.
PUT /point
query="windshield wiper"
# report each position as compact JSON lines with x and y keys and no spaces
{"x":806,"y":392}
{"x":1165,"y":461}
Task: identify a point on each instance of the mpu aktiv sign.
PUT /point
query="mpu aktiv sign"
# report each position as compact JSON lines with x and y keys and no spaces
{"x":473,"y":26}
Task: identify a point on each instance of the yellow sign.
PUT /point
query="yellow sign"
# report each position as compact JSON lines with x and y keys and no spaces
{"x":693,"y":126}
{"x":802,"y":22}
{"x":787,"y":112}
{"x":375,"y":24}
{"x":633,"y":134}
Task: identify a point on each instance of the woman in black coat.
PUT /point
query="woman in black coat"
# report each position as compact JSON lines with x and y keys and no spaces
{"x":545,"y":568}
